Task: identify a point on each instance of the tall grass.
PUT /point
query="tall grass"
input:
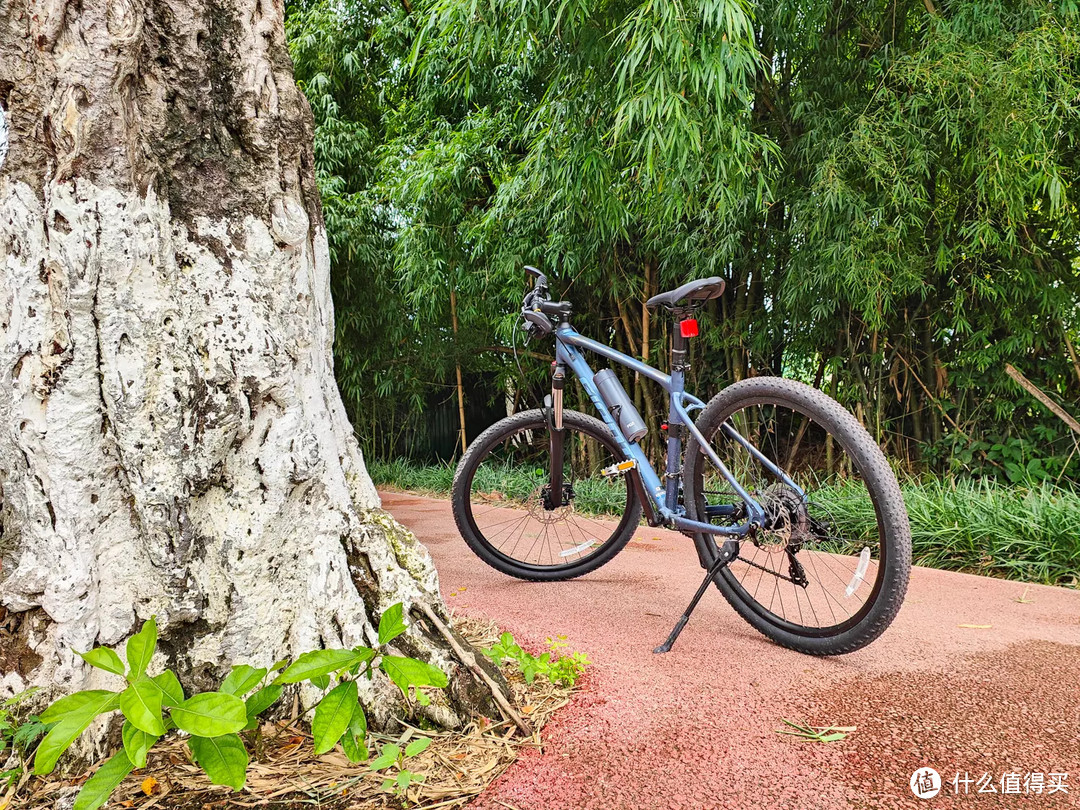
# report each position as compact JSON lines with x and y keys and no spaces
{"x":1029,"y":533}
{"x":594,"y":496}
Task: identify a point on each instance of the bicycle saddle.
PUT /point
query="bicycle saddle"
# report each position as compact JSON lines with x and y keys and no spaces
{"x":692,"y":292}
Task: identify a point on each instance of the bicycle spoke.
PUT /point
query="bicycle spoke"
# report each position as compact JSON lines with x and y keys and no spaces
{"x":522,"y":522}
{"x":825,"y":547}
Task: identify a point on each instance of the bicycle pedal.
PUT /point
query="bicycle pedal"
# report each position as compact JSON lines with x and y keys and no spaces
{"x":618,"y":469}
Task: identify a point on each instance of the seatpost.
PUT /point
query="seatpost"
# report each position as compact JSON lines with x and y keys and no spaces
{"x":679,"y":346}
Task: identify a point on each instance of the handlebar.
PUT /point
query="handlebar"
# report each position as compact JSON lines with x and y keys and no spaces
{"x":538,"y":305}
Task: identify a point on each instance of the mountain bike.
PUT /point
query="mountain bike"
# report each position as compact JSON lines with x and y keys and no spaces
{"x":794,"y":511}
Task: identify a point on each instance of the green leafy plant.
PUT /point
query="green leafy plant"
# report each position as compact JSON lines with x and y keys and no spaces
{"x":563,"y":670}
{"x":154,"y":705}
{"x":17,"y":737}
{"x":393,"y":757}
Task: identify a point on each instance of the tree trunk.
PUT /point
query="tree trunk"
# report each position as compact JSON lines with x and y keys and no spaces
{"x":173,"y":442}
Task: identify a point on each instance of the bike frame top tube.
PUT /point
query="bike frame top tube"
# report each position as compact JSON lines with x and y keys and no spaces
{"x":567,"y":343}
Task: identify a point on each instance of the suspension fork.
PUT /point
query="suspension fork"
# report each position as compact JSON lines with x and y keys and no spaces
{"x":554,"y":498}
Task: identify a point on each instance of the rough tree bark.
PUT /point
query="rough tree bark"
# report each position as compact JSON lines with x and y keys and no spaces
{"x":172,"y":441}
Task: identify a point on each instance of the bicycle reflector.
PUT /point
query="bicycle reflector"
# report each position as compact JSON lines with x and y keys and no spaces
{"x":688,"y":328}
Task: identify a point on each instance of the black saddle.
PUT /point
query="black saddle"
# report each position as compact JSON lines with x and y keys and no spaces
{"x":692,"y":292}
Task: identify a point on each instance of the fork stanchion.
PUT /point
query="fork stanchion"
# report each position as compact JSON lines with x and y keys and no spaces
{"x":728,"y":553}
{"x":554,"y":498}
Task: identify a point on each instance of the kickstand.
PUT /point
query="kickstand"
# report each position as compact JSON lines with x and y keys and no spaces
{"x":729,"y":551}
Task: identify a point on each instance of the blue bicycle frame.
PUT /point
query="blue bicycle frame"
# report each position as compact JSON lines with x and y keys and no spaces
{"x":568,"y":342}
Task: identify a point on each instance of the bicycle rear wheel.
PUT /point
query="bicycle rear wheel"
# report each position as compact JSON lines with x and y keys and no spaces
{"x":827,"y":572}
{"x":499,"y":498}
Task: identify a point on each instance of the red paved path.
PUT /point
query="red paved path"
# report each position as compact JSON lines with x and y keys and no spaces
{"x":696,"y":728}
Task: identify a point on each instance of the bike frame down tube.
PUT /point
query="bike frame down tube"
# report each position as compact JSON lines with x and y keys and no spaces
{"x":567,"y":341}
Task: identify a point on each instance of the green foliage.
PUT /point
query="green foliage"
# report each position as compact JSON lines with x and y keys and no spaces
{"x":559,"y":669}
{"x":137,"y":744}
{"x":210,"y":714}
{"x":141,"y":705}
{"x":70,"y":716}
{"x":391,"y":624}
{"x":105,"y":780}
{"x":393,"y":758}
{"x":887,"y":189}
{"x":223,"y":757}
{"x":333,"y":716}
{"x":319,"y":663}
{"x":1025,"y":532}
{"x":17,"y":737}
{"x":140,"y":649}
{"x":104,"y":658}
{"x":594,"y":496}
{"x":154,"y":705}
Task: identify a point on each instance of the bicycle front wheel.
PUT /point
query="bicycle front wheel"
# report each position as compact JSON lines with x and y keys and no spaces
{"x":828,"y":570}
{"x":500,"y":498}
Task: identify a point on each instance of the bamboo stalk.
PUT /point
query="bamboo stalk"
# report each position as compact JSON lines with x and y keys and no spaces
{"x":1043,"y":397}
{"x":457,"y":369}
{"x":1072,"y":352}
{"x":625,"y":319}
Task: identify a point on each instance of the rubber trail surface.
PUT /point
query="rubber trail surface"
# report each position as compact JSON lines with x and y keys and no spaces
{"x":976,"y":676}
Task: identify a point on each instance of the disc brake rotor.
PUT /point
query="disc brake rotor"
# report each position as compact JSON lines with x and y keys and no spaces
{"x":537,"y":511}
{"x":787,"y":524}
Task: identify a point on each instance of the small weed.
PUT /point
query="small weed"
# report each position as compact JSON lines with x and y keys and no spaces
{"x":17,"y":737}
{"x":563,"y":670}
{"x":154,"y":706}
{"x":393,"y":757}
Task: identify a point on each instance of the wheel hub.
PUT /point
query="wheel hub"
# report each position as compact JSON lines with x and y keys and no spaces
{"x":787,"y":524}
{"x":542,"y":509}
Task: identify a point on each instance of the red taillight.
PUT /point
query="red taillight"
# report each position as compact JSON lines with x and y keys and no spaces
{"x":688,"y":328}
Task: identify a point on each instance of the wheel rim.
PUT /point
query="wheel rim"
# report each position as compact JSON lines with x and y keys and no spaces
{"x":505,"y":508}
{"x":817,"y":566}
